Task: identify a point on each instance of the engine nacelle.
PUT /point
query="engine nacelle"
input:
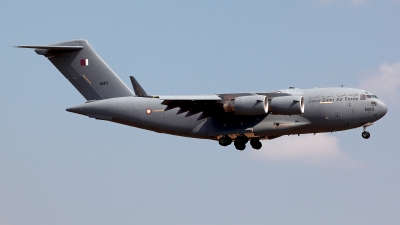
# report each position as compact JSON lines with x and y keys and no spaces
{"x":248,"y":105}
{"x":287,"y":105}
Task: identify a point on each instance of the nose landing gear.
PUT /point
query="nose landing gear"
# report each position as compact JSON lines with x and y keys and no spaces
{"x":366,"y":134}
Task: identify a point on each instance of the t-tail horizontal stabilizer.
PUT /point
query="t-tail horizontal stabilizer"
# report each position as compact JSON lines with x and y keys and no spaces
{"x":139,"y":91}
{"x":84,"y":68}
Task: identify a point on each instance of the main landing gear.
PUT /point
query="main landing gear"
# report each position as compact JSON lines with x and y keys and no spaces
{"x":366,"y":134}
{"x":225,"y":140}
{"x":240,"y":142}
{"x":255,"y":143}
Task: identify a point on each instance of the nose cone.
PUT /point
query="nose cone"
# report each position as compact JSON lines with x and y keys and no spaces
{"x":383,"y":108}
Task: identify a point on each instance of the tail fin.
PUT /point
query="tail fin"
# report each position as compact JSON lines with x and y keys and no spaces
{"x":81,"y":65}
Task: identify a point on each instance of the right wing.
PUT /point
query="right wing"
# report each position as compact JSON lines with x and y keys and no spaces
{"x":192,"y":104}
{"x":209,"y":105}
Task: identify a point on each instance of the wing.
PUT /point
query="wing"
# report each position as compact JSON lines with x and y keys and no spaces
{"x":208,"y":105}
{"x":193,"y":104}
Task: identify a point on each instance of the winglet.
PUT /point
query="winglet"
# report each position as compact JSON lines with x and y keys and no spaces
{"x":139,"y":91}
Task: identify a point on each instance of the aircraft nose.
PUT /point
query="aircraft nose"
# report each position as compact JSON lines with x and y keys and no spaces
{"x":383,"y":108}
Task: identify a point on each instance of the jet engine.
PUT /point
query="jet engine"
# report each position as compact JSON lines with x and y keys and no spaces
{"x":287,"y":105}
{"x":247,"y":105}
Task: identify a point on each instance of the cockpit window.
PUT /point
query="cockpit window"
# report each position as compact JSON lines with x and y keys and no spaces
{"x":368,"y":96}
{"x":362,"y":97}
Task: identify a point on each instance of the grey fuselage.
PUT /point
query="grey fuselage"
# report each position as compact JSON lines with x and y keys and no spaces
{"x":326,"y":110}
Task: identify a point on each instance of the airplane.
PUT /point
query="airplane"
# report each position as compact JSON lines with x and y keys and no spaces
{"x":231,"y":117}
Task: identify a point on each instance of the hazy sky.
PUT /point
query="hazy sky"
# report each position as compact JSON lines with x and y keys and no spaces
{"x":61,"y":168}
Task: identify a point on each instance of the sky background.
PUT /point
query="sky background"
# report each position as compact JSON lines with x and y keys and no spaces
{"x":61,"y":168}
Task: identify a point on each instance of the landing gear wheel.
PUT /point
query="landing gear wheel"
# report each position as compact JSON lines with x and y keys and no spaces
{"x":225,"y":141}
{"x":255,"y":143}
{"x":365,"y":134}
{"x":240,"y":147}
{"x":241,"y":140}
